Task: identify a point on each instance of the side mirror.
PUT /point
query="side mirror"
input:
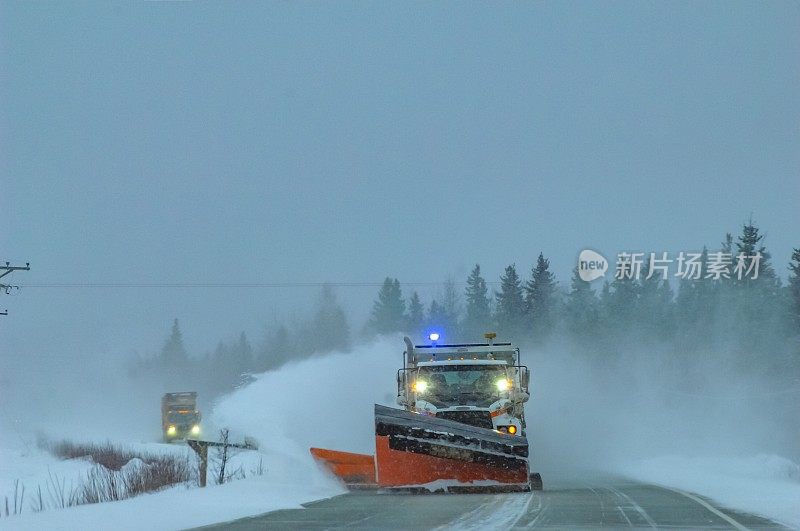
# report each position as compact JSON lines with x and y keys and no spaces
{"x":525,"y":376}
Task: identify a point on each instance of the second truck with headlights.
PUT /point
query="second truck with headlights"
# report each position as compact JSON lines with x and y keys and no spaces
{"x":179,"y":416}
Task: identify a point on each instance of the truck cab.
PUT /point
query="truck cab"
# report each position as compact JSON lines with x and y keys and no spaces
{"x":480,"y":384}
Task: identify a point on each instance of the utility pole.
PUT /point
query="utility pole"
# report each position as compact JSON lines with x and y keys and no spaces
{"x":7,"y":270}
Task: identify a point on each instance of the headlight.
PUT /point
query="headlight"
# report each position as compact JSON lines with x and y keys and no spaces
{"x":172,"y":430}
{"x":503,"y":384}
{"x":420,"y":386}
{"x":512,"y":429}
{"x":195,"y":429}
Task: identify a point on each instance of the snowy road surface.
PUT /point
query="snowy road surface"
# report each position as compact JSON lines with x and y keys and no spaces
{"x":610,"y":504}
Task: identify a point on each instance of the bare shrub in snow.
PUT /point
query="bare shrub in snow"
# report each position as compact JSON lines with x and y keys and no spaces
{"x":104,"y":454}
{"x":15,"y":507}
{"x":259,"y":470}
{"x":60,"y":496}
{"x":223,"y":455}
{"x":37,"y":504}
{"x":136,"y":477}
{"x":225,"y":451}
{"x":102,"y":485}
{"x":118,"y":474}
{"x":165,"y":471}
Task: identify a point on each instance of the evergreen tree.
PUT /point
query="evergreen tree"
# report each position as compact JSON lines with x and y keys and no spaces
{"x":695,"y":307}
{"x":655,"y":309}
{"x":478,"y":312}
{"x":749,"y":245}
{"x":241,"y":356}
{"x":794,"y":292}
{"x":707,"y":298}
{"x":582,"y":309}
{"x":756,"y":317}
{"x":726,"y":301}
{"x":605,"y":298}
{"x":686,"y":303}
{"x":727,"y":244}
{"x":330,"y":328}
{"x":436,"y":317}
{"x":416,"y":315}
{"x":281,"y":345}
{"x":173,"y":353}
{"x":388,"y":311}
{"x":510,"y":314}
{"x":620,"y":305}
{"x":541,"y":299}
{"x":451,"y":309}
{"x":220,"y":365}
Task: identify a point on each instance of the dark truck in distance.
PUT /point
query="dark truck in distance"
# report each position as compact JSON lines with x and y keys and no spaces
{"x":179,"y":416}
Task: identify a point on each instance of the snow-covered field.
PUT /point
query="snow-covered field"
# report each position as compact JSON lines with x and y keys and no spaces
{"x":328,"y":402}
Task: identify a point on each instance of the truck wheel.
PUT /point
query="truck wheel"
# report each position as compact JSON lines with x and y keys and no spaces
{"x":536,"y":481}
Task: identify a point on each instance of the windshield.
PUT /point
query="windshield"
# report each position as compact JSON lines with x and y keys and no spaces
{"x":462,"y":385}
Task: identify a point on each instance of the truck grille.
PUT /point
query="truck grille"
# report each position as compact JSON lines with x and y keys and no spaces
{"x":481,"y":419}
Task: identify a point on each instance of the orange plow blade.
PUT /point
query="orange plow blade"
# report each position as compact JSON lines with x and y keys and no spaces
{"x":408,"y":469}
{"x":420,"y":452}
{"x":354,"y":469}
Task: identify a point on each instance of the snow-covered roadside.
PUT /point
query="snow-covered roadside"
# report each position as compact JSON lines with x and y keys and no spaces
{"x":766,"y":485}
{"x":176,"y":508}
{"x":325,"y":401}
{"x":274,"y":481}
{"x":35,"y":467}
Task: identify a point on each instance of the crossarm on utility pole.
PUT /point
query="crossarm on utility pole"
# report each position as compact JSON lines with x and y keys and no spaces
{"x":8,"y":268}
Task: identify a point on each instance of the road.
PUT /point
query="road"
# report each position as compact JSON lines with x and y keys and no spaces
{"x":613,"y":504}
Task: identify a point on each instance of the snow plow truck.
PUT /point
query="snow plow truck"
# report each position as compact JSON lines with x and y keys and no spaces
{"x":461,"y":427}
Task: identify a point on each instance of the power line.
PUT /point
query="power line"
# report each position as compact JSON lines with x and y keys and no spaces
{"x":225,"y":284}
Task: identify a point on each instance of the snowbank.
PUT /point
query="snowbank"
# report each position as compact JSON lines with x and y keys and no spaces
{"x":767,"y":485}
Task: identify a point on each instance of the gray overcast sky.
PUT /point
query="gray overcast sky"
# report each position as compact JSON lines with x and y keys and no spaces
{"x":309,"y":142}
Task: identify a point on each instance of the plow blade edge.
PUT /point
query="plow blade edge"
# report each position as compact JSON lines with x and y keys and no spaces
{"x":356,"y":470}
